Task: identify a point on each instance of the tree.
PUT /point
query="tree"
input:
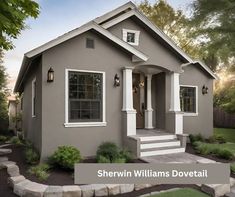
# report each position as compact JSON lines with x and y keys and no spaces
{"x":13,"y":14}
{"x":173,"y":23}
{"x":215,"y":22}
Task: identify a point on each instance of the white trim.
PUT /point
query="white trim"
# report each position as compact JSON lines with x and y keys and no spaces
{"x":137,"y":35}
{"x":175,"y":93}
{"x":33,"y":95}
{"x":191,"y":113}
{"x":85,"y":124}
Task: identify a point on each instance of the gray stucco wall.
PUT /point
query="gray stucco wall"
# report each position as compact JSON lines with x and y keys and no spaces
{"x":74,"y":55}
{"x":32,"y":125}
{"x":203,"y":123}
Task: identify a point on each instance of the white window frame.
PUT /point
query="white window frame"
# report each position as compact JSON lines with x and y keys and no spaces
{"x":190,"y":113}
{"x":84,"y":124}
{"x":33,"y":95}
{"x":137,"y":35}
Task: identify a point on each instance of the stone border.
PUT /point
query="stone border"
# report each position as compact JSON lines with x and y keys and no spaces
{"x":24,"y":187}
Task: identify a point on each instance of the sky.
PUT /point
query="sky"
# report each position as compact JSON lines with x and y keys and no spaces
{"x":56,"y":18}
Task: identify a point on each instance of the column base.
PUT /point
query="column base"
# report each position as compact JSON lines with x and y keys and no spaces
{"x":175,"y":122}
{"x":130,"y":120}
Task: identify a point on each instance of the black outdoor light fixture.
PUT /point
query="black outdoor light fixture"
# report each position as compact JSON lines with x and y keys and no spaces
{"x":116,"y":80}
{"x":204,"y":90}
{"x":50,"y":75}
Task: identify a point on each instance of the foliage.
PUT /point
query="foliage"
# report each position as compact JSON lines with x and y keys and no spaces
{"x":12,"y":19}
{"x":216,"y":25}
{"x":3,"y":138}
{"x":214,"y":149}
{"x":108,"y":150}
{"x":173,"y":23}
{"x":40,"y":171}
{"x":32,"y":156}
{"x":15,"y":140}
{"x":65,"y":157}
{"x":195,"y":138}
{"x":232,"y":168}
{"x":220,"y":139}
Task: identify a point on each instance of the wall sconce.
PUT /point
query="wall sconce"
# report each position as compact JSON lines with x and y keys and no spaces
{"x":204,"y":90}
{"x":141,"y":84}
{"x":116,"y":80}
{"x":50,"y":75}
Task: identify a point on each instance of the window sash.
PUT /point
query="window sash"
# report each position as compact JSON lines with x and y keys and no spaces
{"x":188,"y":99}
{"x":85,"y":97}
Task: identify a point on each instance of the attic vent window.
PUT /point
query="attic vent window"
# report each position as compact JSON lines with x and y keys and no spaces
{"x":90,"y":43}
{"x":131,"y":36}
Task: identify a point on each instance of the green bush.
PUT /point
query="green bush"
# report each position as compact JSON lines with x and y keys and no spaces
{"x":212,"y":139}
{"x":3,"y":138}
{"x":195,"y":138}
{"x":225,"y":154}
{"x":15,"y":140}
{"x":126,"y":154}
{"x":31,"y":156}
{"x":40,"y":171}
{"x":220,"y":139}
{"x":108,"y":150}
{"x":102,"y":159}
{"x":120,"y":160}
{"x":232,"y":168}
{"x":65,"y":157}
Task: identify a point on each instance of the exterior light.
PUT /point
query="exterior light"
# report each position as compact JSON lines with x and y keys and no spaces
{"x":116,"y":80}
{"x":204,"y":90}
{"x":50,"y":75}
{"x":141,"y":84}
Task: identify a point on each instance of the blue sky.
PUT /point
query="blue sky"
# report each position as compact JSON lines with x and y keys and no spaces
{"x":58,"y":17}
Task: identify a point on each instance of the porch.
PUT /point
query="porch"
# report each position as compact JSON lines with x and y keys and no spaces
{"x":157,"y":129}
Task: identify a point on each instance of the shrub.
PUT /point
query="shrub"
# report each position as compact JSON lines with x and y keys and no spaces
{"x":102,"y":159}
{"x":127,"y":155}
{"x":15,"y":140}
{"x":212,"y":139}
{"x":225,"y":154}
{"x":232,"y":168}
{"x":31,"y":156}
{"x":220,"y":139}
{"x":108,"y":150}
{"x":40,"y":171}
{"x":65,"y":157}
{"x":195,"y":138}
{"x":120,"y":160}
{"x":3,"y":138}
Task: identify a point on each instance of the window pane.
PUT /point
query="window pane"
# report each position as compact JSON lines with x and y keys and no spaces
{"x":130,"y":37}
{"x":85,"y":97}
{"x":188,"y":99}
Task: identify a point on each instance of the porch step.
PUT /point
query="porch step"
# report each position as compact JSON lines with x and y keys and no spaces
{"x":159,"y":144}
{"x":157,"y":137}
{"x":161,"y":151}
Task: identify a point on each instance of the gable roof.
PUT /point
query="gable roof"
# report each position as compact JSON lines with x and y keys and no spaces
{"x":101,"y":24}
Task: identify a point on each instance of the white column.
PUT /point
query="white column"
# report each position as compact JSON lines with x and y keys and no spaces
{"x":128,"y":102}
{"x":175,"y":92}
{"x":149,"y":109}
{"x":175,"y":103}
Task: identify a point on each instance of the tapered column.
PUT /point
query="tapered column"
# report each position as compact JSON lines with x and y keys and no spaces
{"x":130,"y":112}
{"x":177,"y":115}
{"x":149,"y":109}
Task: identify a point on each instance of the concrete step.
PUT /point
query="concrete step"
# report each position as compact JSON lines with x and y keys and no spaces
{"x":157,"y":137}
{"x":4,"y":151}
{"x":159,"y":144}
{"x":161,"y":151}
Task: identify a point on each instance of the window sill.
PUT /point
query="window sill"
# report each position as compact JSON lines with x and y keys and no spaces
{"x":190,"y":114}
{"x":86,"y":124}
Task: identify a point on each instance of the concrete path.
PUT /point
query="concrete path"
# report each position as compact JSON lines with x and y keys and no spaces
{"x":177,"y":158}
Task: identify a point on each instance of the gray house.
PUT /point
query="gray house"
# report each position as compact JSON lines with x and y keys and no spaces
{"x":117,"y":78}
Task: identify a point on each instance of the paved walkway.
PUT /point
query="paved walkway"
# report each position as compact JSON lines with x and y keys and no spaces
{"x":177,"y":158}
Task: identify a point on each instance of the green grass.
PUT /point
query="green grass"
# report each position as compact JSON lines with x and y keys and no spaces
{"x":228,"y":134}
{"x":229,"y":146}
{"x":186,"y":192}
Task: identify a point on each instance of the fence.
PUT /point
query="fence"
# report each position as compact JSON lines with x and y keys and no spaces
{"x":223,"y":119}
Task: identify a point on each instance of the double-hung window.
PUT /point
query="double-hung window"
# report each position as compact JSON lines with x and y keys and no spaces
{"x":85,"y":98}
{"x":189,"y":100}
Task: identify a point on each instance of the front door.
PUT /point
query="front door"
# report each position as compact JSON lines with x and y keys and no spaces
{"x":138,"y":103}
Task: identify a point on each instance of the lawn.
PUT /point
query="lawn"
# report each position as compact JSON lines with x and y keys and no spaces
{"x":228,"y":134}
{"x":186,"y":192}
